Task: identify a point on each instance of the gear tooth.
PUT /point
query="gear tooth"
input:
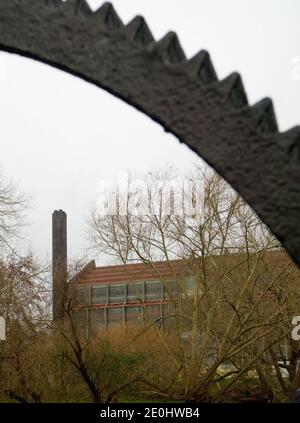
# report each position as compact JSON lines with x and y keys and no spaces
{"x":291,"y":139}
{"x":107,"y":16}
{"x":139,"y":31}
{"x":263,"y":117}
{"x":169,"y":49}
{"x":78,"y":6}
{"x":85,"y":7}
{"x":232,"y":88}
{"x":201,"y":66}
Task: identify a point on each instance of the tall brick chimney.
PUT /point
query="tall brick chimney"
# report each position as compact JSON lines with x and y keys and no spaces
{"x":59,"y":262}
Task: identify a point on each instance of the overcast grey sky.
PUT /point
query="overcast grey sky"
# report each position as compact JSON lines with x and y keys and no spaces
{"x":44,"y":111}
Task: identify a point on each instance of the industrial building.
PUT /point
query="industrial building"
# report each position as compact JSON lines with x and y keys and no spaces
{"x":118,"y":294}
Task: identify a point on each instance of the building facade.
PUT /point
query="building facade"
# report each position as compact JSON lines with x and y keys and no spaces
{"x":116,"y":295}
{"x":132,"y":293}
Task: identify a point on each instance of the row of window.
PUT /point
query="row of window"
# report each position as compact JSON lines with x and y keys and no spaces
{"x":98,"y":317}
{"x":145,"y":291}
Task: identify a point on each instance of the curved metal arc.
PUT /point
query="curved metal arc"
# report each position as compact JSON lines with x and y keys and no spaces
{"x":212,"y":117}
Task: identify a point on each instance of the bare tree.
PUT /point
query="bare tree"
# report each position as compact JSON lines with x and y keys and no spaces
{"x":279,"y":367}
{"x":220,"y":316}
{"x":23,"y":296}
{"x":13,"y":205}
{"x":102,"y":368}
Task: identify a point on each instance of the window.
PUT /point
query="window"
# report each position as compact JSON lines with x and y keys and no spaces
{"x":117,"y":294}
{"x":114,"y":315}
{"x":170,"y":316}
{"x":133,"y":314}
{"x":135,"y":292}
{"x":172,"y":289}
{"x":83,"y":295}
{"x":98,"y":317}
{"x":99,"y":294}
{"x":153,"y":311}
{"x":169,"y":309}
{"x":190,"y":284}
{"x":153,"y":290}
{"x":80,"y":319}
